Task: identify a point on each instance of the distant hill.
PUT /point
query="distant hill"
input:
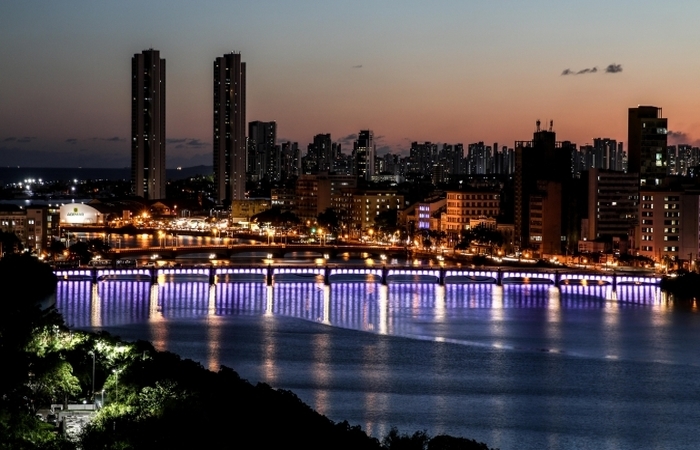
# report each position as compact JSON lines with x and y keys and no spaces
{"x":17,"y":174}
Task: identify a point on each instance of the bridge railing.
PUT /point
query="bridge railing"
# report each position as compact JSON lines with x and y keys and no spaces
{"x":385,"y":272}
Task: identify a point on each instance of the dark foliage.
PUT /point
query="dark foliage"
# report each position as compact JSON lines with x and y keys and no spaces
{"x":686,"y":286}
{"x":328,"y":219}
{"x":217,"y":409}
{"x":420,"y":440}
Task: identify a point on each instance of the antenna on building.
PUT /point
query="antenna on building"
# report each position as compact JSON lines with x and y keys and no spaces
{"x":551,"y":125}
{"x":538,"y":125}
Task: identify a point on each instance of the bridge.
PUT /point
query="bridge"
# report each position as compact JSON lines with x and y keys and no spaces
{"x":273,"y":250}
{"x":384,"y":274}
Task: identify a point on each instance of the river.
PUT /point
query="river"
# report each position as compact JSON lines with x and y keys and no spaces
{"x":517,"y":367}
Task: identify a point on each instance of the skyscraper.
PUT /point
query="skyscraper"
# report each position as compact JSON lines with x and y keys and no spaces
{"x":264,"y":155}
{"x":542,"y":178}
{"x":363,"y":155}
{"x":229,"y":128}
{"x":647,"y":133}
{"x":148,"y":124}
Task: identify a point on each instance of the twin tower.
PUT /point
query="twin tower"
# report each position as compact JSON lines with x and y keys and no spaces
{"x":148,"y":126}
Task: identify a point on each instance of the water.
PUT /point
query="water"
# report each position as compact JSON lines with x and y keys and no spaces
{"x":526,"y":367}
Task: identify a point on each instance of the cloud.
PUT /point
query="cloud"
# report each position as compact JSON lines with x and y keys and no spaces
{"x":359,"y":66}
{"x":580,"y":72}
{"x":25,"y":139}
{"x":71,"y":141}
{"x":10,"y":139}
{"x":196,"y":143}
{"x":384,"y":149}
{"x":611,"y":68}
{"x":283,"y":140}
{"x":187,"y":142}
{"x":584,"y":71}
{"x":110,"y":139}
{"x":681,"y":138}
{"x":349,"y":139}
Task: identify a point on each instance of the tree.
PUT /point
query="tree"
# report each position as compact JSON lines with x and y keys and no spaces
{"x":56,"y":248}
{"x":276,"y":217}
{"x":54,"y":378}
{"x":386,"y":221}
{"x":481,"y":236}
{"x":80,"y":250}
{"x":9,"y":243}
{"x":395,"y":441}
{"x":328,"y":219}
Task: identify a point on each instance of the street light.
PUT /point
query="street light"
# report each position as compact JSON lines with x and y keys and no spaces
{"x":92,"y":392}
{"x":116,"y":388}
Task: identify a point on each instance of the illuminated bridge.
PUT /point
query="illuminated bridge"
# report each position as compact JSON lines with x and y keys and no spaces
{"x":273,"y":250}
{"x":384,"y":274}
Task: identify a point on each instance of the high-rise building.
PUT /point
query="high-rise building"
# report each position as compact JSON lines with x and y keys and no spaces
{"x":363,"y":155}
{"x":612,"y":204}
{"x":148,"y":124}
{"x":229,"y":128}
{"x":538,"y":162}
{"x":647,"y":133}
{"x":264,"y":155}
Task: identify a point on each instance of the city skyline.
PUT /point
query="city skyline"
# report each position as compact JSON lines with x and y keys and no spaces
{"x":458,"y":74}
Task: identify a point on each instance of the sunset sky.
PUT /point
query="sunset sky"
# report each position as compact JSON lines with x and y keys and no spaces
{"x":445,"y":71}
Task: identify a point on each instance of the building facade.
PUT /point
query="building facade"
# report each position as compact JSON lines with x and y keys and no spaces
{"x":264,"y":155}
{"x":613,"y":199}
{"x":542,"y":159}
{"x":229,"y":142}
{"x":148,"y":124}
{"x":363,"y":155}
{"x":366,"y":206}
{"x":464,"y":206}
{"x":647,"y":135}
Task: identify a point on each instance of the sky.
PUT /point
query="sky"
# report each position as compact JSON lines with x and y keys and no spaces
{"x":445,"y":71}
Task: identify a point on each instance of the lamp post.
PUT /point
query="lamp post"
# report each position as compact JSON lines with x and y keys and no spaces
{"x":92,"y":392}
{"x":116,"y":388}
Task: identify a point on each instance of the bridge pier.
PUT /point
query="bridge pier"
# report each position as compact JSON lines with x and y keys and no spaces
{"x":154,"y":275}
{"x":614,"y":282}
{"x":268,"y":275}
{"x":557,"y":279}
{"x":327,"y":276}
{"x":499,"y":277}
{"x":385,"y":275}
{"x":93,"y":273}
{"x":212,"y":276}
{"x":441,"y":278}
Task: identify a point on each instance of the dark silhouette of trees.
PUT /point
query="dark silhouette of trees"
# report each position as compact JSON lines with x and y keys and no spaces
{"x":25,"y":310}
{"x":481,"y":236}
{"x":328,"y":219}
{"x":420,"y":440}
{"x":10,"y":243}
{"x":276,"y":217}
{"x":386,"y":221}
